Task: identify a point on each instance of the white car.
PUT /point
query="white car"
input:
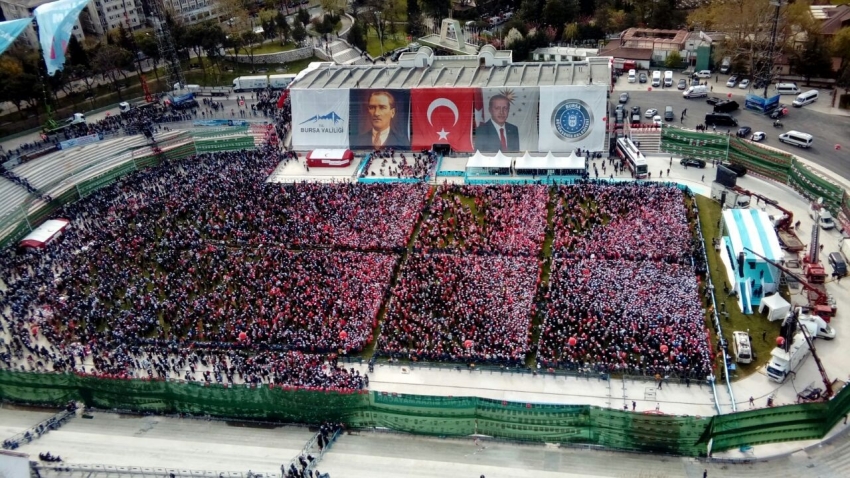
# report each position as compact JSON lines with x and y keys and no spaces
{"x":758,"y":136}
{"x":732,"y":81}
{"x":744,"y":84}
{"x":650,"y":113}
{"x":656,"y":120}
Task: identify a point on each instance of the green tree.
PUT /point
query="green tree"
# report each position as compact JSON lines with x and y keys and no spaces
{"x":571,"y":32}
{"x":302,"y":16}
{"x":415,"y":25}
{"x":674,"y":60}
{"x":250,"y":41}
{"x":76,"y":54}
{"x":150,"y":48}
{"x":841,"y":47}
{"x":436,"y":9}
{"x":299,"y":33}
{"x":112,"y":62}
{"x":531,"y":11}
{"x":558,"y":13}
{"x":814,"y":60}
{"x":356,"y":36}
{"x":283,"y":27}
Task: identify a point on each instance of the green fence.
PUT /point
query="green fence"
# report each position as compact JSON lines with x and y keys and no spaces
{"x":776,"y":165}
{"x":236,"y":143}
{"x":439,"y":416}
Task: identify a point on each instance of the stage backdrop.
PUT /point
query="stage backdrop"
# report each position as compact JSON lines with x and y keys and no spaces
{"x":319,"y":119}
{"x":516,"y":108}
{"x":385,"y":111}
{"x":442,"y":115}
{"x":572,"y":117}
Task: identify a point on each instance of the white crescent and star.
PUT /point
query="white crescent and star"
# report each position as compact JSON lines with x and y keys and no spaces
{"x":448,"y":104}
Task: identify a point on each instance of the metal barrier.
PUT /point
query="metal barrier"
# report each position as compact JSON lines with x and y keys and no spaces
{"x":39,"y":429}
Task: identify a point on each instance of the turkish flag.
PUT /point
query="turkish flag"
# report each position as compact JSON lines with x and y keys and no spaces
{"x":442,"y":115}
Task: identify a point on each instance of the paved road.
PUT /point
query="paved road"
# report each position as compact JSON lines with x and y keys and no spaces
{"x":828,"y":130}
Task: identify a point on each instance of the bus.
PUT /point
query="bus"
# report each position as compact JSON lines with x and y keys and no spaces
{"x":628,"y":152}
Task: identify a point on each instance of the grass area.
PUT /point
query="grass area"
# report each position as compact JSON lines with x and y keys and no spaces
{"x":391,"y":42}
{"x":265,"y":48}
{"x":709,"y":212}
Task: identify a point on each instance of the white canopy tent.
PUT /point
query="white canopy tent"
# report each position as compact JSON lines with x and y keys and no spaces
{"x":777,"y":307}
{"x":571,"y":164}
{"x":489,"y":165}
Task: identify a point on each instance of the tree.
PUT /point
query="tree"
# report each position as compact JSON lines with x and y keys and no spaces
{"x":814,"y":60}
{"x":436,"y":9}
{"x":249,"y":44}
{"x":415,"y":25}
{"x":302,"y":16}
{"x":841,"y":47}
{"x":513,"y":37}
{"x":150,"y":48}
{"x":571,"y":32}
{"x":332,"y":6}
{"x":76,"y":54}
{"x":299,"y":33}
{"x":10,"y":69}
{"x":658,"y":13}
{"x":112,"y":61}
{"x":558,"y":13}
{"x":674,"y":60}
{"x":531,"y":11}
{"x":356,"y":36}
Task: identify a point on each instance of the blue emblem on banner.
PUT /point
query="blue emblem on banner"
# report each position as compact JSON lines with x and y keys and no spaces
{"x":572,"y":120}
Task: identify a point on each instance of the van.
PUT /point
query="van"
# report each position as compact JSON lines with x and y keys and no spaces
{"x":668,"y":79}
{"x":796,"y":138}
{"x":703,"y":74}
{"x":787,"y":89}
{"x":495,"y":21}
{"x":656,"y":78}
{"x":632,"y":76}
{"x":806,"y":98}
{"x":696,"y":92}
{"x":668,"y":113}
{"x":720,"y":119}
{"x":839,"y":266}
{"x":741,"y":347}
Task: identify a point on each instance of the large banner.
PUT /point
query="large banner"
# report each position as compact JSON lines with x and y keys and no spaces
{"x":442,"y":115}
{"x":379,"y":119}
{"x":572,"y":117}
{"x":506,"y":119}
{"x":10,"y":30}
{"x":320,"y":119}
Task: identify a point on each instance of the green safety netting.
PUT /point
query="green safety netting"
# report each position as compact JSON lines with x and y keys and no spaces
{"x":235,"y":143}
{"x":815,"y":186}
{"x":440,"y":416}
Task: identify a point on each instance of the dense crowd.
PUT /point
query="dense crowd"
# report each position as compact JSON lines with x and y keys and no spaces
{"x":617,"y":315}
{"x":625,"y":220}
{"x":486,"y":220}
{"x":390,"y":163}
{"x":461,"y":308}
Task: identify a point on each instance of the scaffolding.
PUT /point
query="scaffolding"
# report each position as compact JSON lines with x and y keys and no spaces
{"x":166,"y":44}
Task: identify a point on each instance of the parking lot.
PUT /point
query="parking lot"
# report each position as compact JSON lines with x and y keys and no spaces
{"x":827,"y":129}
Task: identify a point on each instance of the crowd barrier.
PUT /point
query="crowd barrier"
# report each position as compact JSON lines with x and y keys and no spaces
{"x":439,"y":416}
{"x":371,"y":180}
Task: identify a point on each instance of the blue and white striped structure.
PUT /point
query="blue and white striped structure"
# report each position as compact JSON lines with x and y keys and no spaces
{"x":751,"y":229}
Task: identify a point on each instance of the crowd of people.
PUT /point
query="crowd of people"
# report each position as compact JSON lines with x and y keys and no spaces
{"x":399,"y":165}
{"x":623,"y":220}
{"x":24,"y":183}
{"x":627,"y":316}
{"x":507,"y":220}
{"x":461,"y":308}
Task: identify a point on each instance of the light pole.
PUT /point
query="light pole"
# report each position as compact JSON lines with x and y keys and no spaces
{"x":769,"y":76}
{"x":380,"y":34}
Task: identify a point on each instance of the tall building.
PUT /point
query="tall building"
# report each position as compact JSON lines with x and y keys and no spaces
{"x":193,"y":11}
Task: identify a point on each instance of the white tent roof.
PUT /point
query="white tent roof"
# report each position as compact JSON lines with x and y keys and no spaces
{"x":478,"y":160}
{"x":751,"y":229}
{"x":777,"y":306}
{"x":550,"y":161}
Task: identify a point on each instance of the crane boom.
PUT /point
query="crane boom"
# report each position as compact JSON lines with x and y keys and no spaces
{"x":821,"y":303}
{"x":826,"y":382}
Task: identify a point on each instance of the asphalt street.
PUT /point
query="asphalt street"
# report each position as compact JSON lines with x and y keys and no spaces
{"x":827,"y":130}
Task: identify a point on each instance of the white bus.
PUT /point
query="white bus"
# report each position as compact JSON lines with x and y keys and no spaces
{"x":636,"y":161}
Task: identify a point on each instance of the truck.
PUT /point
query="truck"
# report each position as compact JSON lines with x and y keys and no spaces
{"x":280,"y":82}
{"x":816,"y":326}
{"x":53,"y":127}
{"x":729,"y":197}
{"x":622,"y":65}
{"x":785,"y":359}
{"x":250,"y":83}
{"x":125,"y":107}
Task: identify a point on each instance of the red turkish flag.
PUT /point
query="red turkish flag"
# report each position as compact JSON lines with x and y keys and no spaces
{"x":442,"y":115}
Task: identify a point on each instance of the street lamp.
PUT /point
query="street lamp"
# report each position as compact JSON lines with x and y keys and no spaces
{"x":380,"y":35}
{"x":769,"y":76}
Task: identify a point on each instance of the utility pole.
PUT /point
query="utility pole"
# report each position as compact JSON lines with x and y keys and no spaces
{"x":768,"y":79}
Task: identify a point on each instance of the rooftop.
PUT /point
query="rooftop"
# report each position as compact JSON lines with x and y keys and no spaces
{"x":459,"y":71}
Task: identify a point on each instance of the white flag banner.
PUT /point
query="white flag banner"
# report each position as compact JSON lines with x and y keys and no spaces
{"x":319,"y":118}
{"x":573,"y":117}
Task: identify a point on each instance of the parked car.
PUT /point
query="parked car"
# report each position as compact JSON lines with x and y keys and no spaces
{"x":726,"y":106}
{"x":668,"y":113}
{"x":745,"y":83}
{"x":642,"y":78}
{"x":635,"y":117}
{"x":651,"y":112}
{"x":697,"y":163}
{"x":733,"y":80}
{"x":682,"y":84}
{"x":624,"y":97}
{"x":656,"y":120}
{"x":713,"y":100}
{"x":758,"y":136}
{"x":744,"y":131}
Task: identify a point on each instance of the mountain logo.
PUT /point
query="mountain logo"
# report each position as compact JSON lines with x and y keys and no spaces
{"x":332,"y":117}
